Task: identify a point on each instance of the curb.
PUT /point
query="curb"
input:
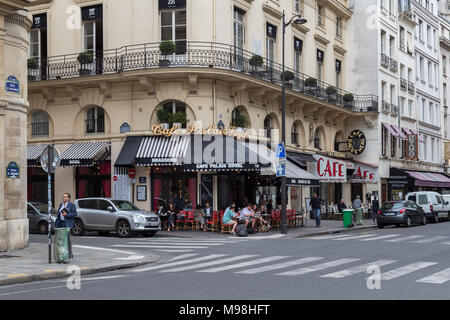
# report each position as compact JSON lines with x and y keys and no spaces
{"x":335,"y":231}
{"x":58,"y":274}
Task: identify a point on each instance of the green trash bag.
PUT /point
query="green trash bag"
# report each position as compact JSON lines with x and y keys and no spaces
{"x":61,"y":245}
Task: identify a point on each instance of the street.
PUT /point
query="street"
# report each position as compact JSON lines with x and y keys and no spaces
{"x":414,"y":264}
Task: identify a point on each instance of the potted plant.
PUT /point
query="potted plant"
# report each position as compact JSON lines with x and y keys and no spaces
{"x":288,"y":76}
{"x":331,"y":92}
{"x":32,"y":66}
{"x":240,"y":121}
{"x":311,"y":82}
{"x":163,"y":117}
{"x":348,"y":97}
{"x":166,"y":48}
{"x":256,"y":61}
{"x":177,"y":119}
{"x":85,"y":59}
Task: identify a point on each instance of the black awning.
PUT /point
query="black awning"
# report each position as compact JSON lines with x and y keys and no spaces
{"x":128,"y":152}
{"x":34,"y":153}
{"x":83,"y":154}
{"x":299,"y":158}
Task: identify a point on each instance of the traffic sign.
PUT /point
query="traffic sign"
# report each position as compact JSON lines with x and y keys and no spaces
{"x":281,"y":170}
{"x":281,"y":151}
{"x":54,"y":159}
{"x":132,"y":173}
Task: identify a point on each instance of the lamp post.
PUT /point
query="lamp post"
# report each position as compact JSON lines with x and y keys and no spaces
{"x":298,"y":20}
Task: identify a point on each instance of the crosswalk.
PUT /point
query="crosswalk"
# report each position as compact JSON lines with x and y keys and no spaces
{"x":389,"y":238}
{"x":178,"y":245}
{"x":429,"y":272}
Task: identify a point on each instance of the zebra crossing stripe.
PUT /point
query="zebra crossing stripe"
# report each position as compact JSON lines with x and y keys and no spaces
{"x":244,"y":264}
{"x":150,"y":246}
{"x":355,"y":237}
{"x":381,"y":237}
{"x":174,"y":250}
{"x":209,"y":263}
{"x":406,"y":270}
{"x":405,"y":238}
{"x":317,"y":267}
{"x":437,"y":278}
{"x":281,"y":265}
{"x":176,"y":243}
{"x":429,"y":240}
{"x":171,"y":264}
{"x":184,"y":240}
{"x":187,"y":255}
{"x":329,"y":237}
{"x":362,"y":268}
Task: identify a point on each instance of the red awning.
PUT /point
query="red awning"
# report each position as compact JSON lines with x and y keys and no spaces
{"x":429,"y":179}
{"x":400,"y":133}
{"x":418,"y":135}
{"x":407,"y":131}
{"x":389,"y":128}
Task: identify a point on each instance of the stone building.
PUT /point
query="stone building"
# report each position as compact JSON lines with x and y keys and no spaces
{"x":14,"y":45}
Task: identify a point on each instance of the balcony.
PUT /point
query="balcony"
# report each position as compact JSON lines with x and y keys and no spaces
{"x":199,"y":55}
{"x":385,"y":60}
{"x":403,"y":84}
{"x":411,"y":87}
{"x":394,"y":110}
{"x":393,"y":65}
{"x":402,"y":45}
{"x":39,"y":129}
{"x":385,"y":107}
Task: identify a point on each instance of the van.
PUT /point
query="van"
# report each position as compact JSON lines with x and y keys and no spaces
{"x":432,"y":203}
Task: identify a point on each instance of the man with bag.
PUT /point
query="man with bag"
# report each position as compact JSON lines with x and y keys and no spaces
{"x":316,"y":204}
{"x":66,"y":213}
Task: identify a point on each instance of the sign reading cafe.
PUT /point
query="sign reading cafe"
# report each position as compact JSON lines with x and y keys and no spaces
{"x":356,"y":142}
{"x":159,"y":130}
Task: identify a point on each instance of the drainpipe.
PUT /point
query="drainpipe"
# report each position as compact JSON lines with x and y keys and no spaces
{"x":215,"y":120}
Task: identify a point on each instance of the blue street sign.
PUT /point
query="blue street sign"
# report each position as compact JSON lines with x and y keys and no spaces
{"x":281,"y":170}
{"x":12,"y":85}
{"x":12,"y":171}
{"x":281,"y":151}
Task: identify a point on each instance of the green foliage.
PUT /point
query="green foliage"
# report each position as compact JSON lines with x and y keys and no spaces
{"x":240,"y":121}
{"x":167,"y":48}
{"x":178,"y":117}
{"x":163,"y":115}
{"x":85,"y":58}
{"x":288,"y":75}
{"x":348,"y":97}
{"x":311,"y":82}
{"x":32,"y":64}
{"x":330,"y":90}
{"x":256,"y":61}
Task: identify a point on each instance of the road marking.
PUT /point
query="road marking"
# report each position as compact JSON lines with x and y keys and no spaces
{"x":355,"y":237}
{"x":405,"y":238}
{"x":184,"y":256}
{"x":175,"y":250}
{"x":274,"y":236}
{"x":155,"y":246}
{"x":405,"y":270}
{"x":104,"y":249}
{"x":429,"y":240}
{"x":381,"y":237}
{"x":100,"y":278}
{"x":209,"y":263}
{"x":317,"y":267}
{"x":358,"y":269}
{"x":177,"y":243}
{"x":281,"y":265}
{"x":328,"y":237}
{"x":438,"y":278}
{"x":131,"y":258}
{"x":17,"y":275}
{"x":171,"y":264}
{"x":244,"y":264}
{"x":178,"y":240}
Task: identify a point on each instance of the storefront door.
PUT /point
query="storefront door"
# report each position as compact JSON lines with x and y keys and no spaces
{"x":94,"y":181}
{"x":38,"y":185}
{"x":357,"y":190}
{"x":207,"y":190}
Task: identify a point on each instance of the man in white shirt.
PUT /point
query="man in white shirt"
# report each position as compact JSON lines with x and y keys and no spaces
{"x":248,"y":215}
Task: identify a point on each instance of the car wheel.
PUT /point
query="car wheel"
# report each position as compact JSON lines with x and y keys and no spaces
{"x":424,"y":220}
{"x":78,"y":228}
{"x":380,"y":226}
{"x":149,"y":233}
{"x":103,"y":233}
{"x":408,"y":222}
{"x":448,"y":216}
{"x":43,"y":228}
{"x":397,"y":225}
{"x":123,"y":229}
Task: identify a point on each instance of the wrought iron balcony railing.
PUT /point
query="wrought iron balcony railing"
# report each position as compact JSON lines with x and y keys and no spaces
{"x":403,"y":84}
{"x":393,"y":64}
{"x":411,"y":87}
{"x":385,"y":60}
{"x":198,"y":55}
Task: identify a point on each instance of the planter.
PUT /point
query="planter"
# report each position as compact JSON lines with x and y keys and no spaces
{"x":85,"y":72}
{"x":257,"y":73}
{"x":288,"y":85}
{"x":164,"y":63}
{"x":179,"y":125}
{"x":31,"y":78}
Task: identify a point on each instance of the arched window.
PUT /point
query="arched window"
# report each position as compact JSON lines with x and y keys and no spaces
{"x":95,"y":120}
{"x":268,"y":125}
{"x":294,"y":134}
{"x":39,"y":124}
{"x":317,"y":142}
{"x":176,"y":108}
{"x":338,"y":141}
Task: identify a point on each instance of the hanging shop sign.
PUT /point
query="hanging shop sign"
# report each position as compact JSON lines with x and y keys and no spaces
{"x":92,"y":13}
{"x":12,"y":171}
{"x":356,"y":142}
{"x":329,"y":169}
{"x":338,"y":65}
{"x":12,"y":85}
{"x":159,"y":130}
{"x":298,"y":44}
{"x":172,"y":4}
{"x":223,"y":167}
{"x":39,"y":21}
{"x":320,"y":55}
{"x":271,"y":30}
{"x":411,"y":147}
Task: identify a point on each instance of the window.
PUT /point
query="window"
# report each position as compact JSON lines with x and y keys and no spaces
{"x":294,"y":135}
{"x":384,"y":137}
{"x":338,"y":73}
{"x":173,"y":28}
{"x":239,"y":34}
{"x":420,"y":30}
{"x":430,"y":74}
{"x":103,"y":205}
{"x":320,"y":16}
{"x":35,"y":44}
{"x":297,"y":61}
{"x":297,"y":5}
{"x":268,"y":126}
{"x":383,"y":41}
{"x":174,"y":107}
{"x":338,"y":28}
{"x":393,"y":146}
{"x":423,"y":109}
{"x":39,"y":125}
{"x":429,"y":36}
{"x":95,"y":120}
{"x":444,"y":65}
{"x":402,"y":106}
{"x":317,"y":142}
{"x":391,"y":47}
{"x":320,"y":58}
{"x":422,"y":69}
{"x":410,"y":108}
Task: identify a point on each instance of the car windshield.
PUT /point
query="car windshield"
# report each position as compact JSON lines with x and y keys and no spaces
{"x":42,"y":207}
{"x":125,"y":205}
{"x":393,"y":205}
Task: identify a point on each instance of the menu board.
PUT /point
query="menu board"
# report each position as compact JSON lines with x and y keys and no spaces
{"x":122,"y":187}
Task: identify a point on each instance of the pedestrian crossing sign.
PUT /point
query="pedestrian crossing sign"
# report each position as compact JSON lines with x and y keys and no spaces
{"x":281,"y":170}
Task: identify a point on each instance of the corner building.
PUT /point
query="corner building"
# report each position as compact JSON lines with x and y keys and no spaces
{"x":100,"y":112}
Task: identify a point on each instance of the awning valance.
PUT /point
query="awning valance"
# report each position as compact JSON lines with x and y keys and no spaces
{"x":296,"y":176}
{"x":83,"y":154}
{"x":390,"y":129}
{"x":34,"y":153}
{"x":429,"y":179}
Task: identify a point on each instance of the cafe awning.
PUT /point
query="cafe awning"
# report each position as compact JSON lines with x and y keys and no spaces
{"x":162,"y":151}
{"x":128,"y":152}
{"x":390,"y":129}
{"x":84,"y":154}
{"x":296,"y":176}
{"x":400,"y":134}
{"x":299,"y":158}
{"x":429,"y":179}
{"x":34,"y":153}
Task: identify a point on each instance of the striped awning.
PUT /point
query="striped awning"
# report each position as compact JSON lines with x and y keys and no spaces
{"x":34,"y":153}
{"x":162,"y":151}
{"x":296,"y":176}
{"x":83,"y":154}
{"x":390,"y":129}
{"x":429,"y":179}
{"x":418,"y":135}
{"x":401,"y":135}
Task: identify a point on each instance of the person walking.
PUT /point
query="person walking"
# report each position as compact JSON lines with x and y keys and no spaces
{"x":357,"y":204}
{"x":66,"y":217}
{"x":375,"y":208}
{"x":342,"y":205}
{"x":316,"y":204}
{"x":172,"y":213}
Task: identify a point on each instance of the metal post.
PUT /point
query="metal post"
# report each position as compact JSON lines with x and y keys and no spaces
{"x":283,"y":138}
{"x":49,"y":186}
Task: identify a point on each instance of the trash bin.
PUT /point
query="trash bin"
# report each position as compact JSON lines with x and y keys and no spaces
{"x":61,"y":245}
{"x":359,"y":216}
{"x":347,"y":215}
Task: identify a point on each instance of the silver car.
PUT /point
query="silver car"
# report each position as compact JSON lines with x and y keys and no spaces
{"x":104,"y":215}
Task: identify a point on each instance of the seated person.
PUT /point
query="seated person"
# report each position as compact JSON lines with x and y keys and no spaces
{"x":247,"y":214}
{"x":162,"y":214}
{"x":172,"y":213}
{"x":228,"y":217}
{"x":207,"y":212}
{"x":198,"y":216}
{"x":261,"y":216}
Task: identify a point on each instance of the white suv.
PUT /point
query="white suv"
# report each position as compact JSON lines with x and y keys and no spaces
{"x":432,"y":203}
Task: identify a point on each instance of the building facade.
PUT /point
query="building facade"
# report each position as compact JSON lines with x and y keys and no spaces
{"x":14,"y":25}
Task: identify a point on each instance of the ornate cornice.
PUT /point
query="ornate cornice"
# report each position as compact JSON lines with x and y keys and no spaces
{"x":339,"y":49}
{"x":340,"y":9}
{"x":321,"y":39}
{"x":272,"y":11}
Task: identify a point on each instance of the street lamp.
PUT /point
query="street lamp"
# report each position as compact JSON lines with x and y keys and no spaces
{"x":298,"y":20}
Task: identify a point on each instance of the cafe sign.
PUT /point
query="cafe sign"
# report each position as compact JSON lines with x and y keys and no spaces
{"x":364,"y":174}
{"x":159,"y":130}
{"x":356,"y":142}
{"x":329,"y":169}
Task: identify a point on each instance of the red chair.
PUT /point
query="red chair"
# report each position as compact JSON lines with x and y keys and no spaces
{"x":214,"y":224}
{"x":190,"y":223}
{"x":291,"y":218}
{"x":180,"y":220}
{"x":275,"y":220}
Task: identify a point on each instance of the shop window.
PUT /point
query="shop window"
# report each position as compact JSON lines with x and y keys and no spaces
{"x":37,"y":190}
{"x":95,"y":120}
{"x":167,"y":186}
{"x":39,"y":124}
{"x":94,"y":181}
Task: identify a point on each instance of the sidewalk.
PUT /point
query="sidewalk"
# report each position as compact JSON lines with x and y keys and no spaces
{"x":31,"y":264}
{"x":308,"y":230}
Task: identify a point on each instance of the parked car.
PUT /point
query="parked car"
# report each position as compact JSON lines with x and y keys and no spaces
{"x":432,"y":204}
{"x":446,"y":198}
{"x":104,"y":215}
{"x":37,"y":213}
{"x":400,"y":212}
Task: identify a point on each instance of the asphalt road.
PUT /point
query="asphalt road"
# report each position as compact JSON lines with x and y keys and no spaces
{"x":414,"y":264}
